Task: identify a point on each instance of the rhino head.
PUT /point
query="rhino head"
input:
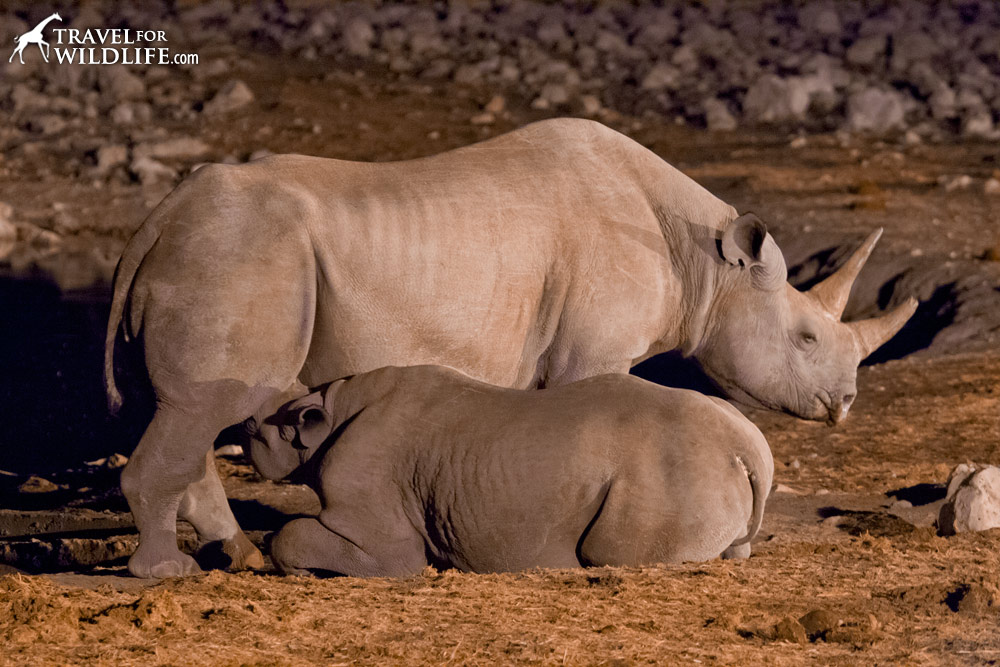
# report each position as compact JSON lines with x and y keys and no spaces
{"x":285,"y":439}
{"x":769,"y":345}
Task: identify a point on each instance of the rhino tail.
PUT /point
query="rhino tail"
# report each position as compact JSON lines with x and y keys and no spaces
{"x":760,"y":487}
{"x":128,"y":265}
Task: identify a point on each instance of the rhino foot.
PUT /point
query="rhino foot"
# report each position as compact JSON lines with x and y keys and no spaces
{"x":243,"y":555}
{"x":151,"y":562}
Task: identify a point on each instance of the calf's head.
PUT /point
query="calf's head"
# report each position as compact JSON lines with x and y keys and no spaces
{"x":284,"y":440}
{"x":767,"y":344}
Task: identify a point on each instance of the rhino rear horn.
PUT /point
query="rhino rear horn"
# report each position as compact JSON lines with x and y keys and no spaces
{"x":874,"y":332}
{"x":833,"y":292}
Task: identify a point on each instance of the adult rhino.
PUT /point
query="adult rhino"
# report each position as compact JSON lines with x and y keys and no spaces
{"x":557,"y":252}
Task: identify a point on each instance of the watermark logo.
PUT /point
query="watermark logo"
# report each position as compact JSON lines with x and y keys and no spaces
{"x":102,"y":46}
{"x":34,"y":36}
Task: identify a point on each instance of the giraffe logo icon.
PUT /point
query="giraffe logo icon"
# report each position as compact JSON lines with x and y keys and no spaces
{"x":33,"y":36}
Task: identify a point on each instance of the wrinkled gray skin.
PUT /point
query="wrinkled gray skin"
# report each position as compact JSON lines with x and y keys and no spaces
{"x":424,"y":465}
{"x":554,"y":253}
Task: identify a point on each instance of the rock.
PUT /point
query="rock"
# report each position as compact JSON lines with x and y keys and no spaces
{"x":874,"y":110}
{"x":111,"y":156}
{"x":979,"y":125}
{"x":717,"y":116}
{"x":358,"y":37}
{"x":123,"y":114}
{"x":118,"y":84}
{"x":258,"y":154}
{"x":820,"y":18}
{"x":867,"y":51}
{"x":35,"y":484}
{"x":790,"y":630}
{"x":181,"y":148}
{"x":8,"y":231}
{"x":960,"y":182}
{"x":232,"y":96}
{"x":496,"y":104}
{"x":554,"y":94}
{"x":818,"y":622}
{"x":116,"y":461}
{"x":485,"y":118}
{"x":661,"y":76}
{"x":149,"y":171}
{"x":774,"y":100}
{"x":973,"y":500}
{"x":47,"y":124}
{"x":991,"y":186}
{"x":229,"y":450}
{"x":591,"y":104}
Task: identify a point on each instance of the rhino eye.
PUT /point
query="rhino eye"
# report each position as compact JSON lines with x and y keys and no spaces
{"x":807,"y":337}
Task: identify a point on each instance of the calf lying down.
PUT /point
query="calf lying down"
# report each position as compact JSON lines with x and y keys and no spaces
{"x":424,"y":465}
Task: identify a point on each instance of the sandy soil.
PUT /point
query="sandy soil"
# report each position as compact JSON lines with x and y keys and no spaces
{"x":848,"y":568}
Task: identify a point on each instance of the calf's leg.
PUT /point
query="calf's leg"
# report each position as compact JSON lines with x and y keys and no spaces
{"x":306,"y":546}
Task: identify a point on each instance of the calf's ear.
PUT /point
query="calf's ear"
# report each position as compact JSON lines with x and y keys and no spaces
{"x":310,"y":421}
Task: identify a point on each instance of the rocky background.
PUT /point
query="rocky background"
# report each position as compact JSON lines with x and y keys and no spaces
{"x":927,"y":69}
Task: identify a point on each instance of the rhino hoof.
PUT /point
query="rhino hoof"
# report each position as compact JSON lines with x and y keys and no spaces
{"x":153,"y":564}
{"x":243,"y":555}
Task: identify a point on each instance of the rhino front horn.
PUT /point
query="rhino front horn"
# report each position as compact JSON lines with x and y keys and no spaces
{"x":833,"y":292}
{"x":872,"y":333}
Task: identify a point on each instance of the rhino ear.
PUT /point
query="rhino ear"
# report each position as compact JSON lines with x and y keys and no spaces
{"x":743,"y":240}
{"x":746,"y":243}
{"x":309,"y":420}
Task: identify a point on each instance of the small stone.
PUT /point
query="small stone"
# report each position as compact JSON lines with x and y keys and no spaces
{"x":483,"y":119}
{"x":798,"y":142}
{"x":899,"y":505}
{"x":232,"y":96}
{"x":149,"y":171}
{"x":991,"y":186}
{"x":8,"y":231}
{"x":110,"y":156}
{"x":36,"y":484}
{"x":496,"y":104}
{"x":973,"y":500}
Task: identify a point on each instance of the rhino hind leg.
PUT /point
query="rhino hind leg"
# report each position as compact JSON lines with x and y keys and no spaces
{"x":306,"y":546}
{"x":173,"y":455}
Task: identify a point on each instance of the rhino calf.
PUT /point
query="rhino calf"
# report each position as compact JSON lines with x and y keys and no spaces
{"x":424,"y":465}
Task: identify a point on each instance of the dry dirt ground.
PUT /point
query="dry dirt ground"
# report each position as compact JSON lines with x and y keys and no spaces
{"x":848,"y":568}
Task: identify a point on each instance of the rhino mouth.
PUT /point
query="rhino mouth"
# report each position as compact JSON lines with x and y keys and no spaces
{"x":835,"y":411}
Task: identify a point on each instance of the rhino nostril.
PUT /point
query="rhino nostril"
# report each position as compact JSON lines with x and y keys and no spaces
{"x":848,"y":399}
